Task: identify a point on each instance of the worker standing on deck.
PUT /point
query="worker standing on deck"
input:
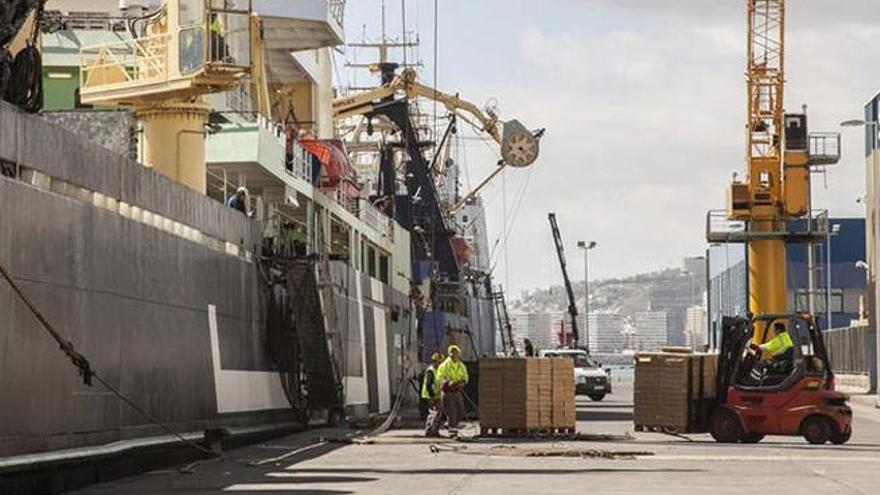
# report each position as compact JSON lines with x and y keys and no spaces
{"x":453,"y":378}
{"x":431,"y":396}
{"x":238,"y":200}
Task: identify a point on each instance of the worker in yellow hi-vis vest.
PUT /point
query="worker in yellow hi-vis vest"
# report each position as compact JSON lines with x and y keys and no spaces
{"x":219,"y":51}
{"x":778,"y":357}
{"x":453,"y":378}
{"x":431,"y":396}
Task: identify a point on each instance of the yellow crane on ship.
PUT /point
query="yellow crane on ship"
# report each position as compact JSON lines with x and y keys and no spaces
{"x":181,"y":52}
{"x":519,"y":147}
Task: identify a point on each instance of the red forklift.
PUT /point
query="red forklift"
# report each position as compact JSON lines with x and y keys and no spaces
{"x":756,"y":398}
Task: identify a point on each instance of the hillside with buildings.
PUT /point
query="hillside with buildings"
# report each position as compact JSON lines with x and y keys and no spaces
{"x":641,"y":312}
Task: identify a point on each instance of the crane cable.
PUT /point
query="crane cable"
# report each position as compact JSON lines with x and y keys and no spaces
{"x":84,"y":367}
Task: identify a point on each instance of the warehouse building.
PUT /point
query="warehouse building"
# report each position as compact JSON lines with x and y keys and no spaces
{"x":728,"y":284}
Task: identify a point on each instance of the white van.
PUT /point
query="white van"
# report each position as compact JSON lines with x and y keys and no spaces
{"x":589,"y":378}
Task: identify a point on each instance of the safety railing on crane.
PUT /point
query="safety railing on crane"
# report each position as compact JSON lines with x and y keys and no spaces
{"x":141,"y":60}
{"x":720,"y":228}
{"x":824,"y":148}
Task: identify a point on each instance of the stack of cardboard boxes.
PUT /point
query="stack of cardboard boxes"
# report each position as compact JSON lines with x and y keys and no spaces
{"x":527,"y":394}
{"x":671,"y":390}
{"x":564,"y":409}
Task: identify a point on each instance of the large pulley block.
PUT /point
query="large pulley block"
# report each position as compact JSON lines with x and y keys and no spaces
{"x":519,"y":146}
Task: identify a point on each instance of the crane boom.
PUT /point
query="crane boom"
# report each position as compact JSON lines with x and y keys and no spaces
{"x":766,"y":84}
{"x":407,"y":82}
{"x":560,"y":252}
{"x":519,"y":146}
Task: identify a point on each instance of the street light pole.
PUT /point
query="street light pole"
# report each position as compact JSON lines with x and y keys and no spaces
{"x":835,"y":228}
{"x":586,"y":247}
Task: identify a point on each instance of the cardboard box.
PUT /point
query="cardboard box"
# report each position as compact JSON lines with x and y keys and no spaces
{"x":527,"y":393}
{"x":670,"y":388}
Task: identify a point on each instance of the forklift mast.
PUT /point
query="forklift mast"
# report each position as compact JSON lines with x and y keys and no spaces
{"x":560,"y":252}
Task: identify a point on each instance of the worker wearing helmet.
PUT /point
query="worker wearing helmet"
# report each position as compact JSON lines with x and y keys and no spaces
{"x":453,"y":377}
{"x":431,"y":396}
{"x":238,"y":200}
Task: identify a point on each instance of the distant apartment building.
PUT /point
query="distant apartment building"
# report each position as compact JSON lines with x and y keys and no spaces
{"x":551,"y":330}
{"x":606,"y":333}
{"x":676,"y":294}
{"x":537,"y":327}
{"x":651,"y":330}
{"x":695,"y":327}
{"x":695,"y":266}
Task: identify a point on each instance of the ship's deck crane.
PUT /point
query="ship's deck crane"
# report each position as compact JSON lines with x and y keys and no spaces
{"x":186,"y":49}
{"x":560,"y":252}
{"x":428,"y":218}
{"x":519,"y":147}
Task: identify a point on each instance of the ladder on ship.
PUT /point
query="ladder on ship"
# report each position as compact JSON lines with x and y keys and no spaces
{"x":314,"y":319}
{"x":503,"y":319}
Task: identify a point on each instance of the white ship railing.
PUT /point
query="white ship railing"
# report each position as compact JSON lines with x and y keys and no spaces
{"x":371,"y":216}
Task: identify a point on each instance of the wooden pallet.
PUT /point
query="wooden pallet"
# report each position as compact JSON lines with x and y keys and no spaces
{"x":527,"y":432}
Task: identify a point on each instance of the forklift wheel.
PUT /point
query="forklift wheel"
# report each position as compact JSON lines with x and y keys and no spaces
{"x":725,"y":427}
{"x":751,"y":438}
{"x":817,"y":430}
{"x":841,"y":438}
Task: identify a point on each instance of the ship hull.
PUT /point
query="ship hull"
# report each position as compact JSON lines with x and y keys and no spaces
{"x":160,"y":288}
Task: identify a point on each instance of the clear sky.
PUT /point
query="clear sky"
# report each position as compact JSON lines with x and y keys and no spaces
{"x":644,"y":105}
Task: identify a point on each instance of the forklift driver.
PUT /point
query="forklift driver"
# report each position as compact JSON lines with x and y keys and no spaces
{"x":779,"y":353}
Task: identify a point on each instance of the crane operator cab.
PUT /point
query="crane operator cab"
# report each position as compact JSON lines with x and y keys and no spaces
{"x":781,"y":384}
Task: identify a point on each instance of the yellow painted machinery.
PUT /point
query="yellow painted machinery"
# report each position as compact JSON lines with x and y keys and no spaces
{"x":772,"y":206}
{"x":179,"y":53}
{"x":519,"y":147}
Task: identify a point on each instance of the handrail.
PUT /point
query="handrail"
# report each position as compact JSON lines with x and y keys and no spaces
{"x":136,"y":60}
{"x":721,"y":228}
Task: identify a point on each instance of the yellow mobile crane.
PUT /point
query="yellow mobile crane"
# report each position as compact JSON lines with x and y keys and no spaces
{"x":184,"y":50}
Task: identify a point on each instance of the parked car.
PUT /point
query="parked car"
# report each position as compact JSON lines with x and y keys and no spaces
{"x":589,"y":378}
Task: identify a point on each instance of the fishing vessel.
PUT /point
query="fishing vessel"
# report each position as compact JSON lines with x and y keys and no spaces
{"x":320,"y":300}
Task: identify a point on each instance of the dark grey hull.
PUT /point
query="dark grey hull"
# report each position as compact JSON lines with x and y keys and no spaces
{"x":159,"y":288}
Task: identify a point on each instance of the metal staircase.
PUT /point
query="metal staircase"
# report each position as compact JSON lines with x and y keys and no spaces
{"x":314,"y":320}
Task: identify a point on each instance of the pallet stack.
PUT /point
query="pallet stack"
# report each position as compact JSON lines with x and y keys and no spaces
{"x":564,"y":410}
{"x":670,"y":388}
{"x":526,"y":396}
